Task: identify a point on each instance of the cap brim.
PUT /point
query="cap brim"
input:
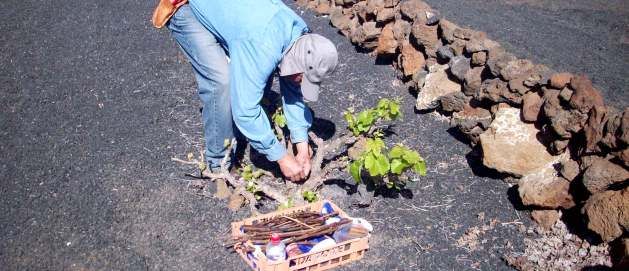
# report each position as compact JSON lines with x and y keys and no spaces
{"x":310,"y":90}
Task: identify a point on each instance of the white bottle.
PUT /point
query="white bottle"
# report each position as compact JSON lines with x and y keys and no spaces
{"x":275,"y":249}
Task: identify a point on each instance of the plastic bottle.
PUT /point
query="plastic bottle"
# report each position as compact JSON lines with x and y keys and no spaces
{"x":342,"y":233}
{"x":359,"y":228}
{"x":275,"y":249}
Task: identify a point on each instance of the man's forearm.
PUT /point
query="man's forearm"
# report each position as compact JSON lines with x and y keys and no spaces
{"x":258,"y":131}
{"x":298,"y":115}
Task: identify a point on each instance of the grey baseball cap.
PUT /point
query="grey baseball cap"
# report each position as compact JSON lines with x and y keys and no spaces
{"x":313,"y":55}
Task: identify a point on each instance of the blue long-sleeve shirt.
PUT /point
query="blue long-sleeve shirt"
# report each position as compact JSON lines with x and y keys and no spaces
{"x":256,"y":33}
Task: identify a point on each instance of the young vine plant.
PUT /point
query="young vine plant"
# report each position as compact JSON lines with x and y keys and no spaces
{"x":384,"y":166}
{"x":278,"y":118}
{"x":362,"y":123}
{"x":251,"y":177}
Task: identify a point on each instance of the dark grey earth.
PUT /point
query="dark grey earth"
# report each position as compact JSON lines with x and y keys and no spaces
{"x":95,"y":102}
{"x":589,"y":37}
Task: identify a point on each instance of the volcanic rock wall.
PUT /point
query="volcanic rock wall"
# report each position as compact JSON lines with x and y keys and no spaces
{"x":551,"y":130}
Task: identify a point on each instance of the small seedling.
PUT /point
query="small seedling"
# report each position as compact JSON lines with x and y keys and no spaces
{"x":287,"y":204}
{"x":278,"y":118}
{"x":310,"y":196}
{"x":361,"y":123}
{"x":251,"y":177}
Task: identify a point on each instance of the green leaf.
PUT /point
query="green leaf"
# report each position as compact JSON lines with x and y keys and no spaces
{"x":370,"y":164}
{"x":364,"y":117}
{"x":348,"y":117}
{"x":355,"y":168}
{"x":397,"y":151}
{"x":251,"y":187}
{"x":395,"y":110}
{"x":382,"y":165}
{"x":285,"y":205}
{"x":411,"y":156}
{"x":351,"y":122}
{"x":374,"y":145}
{"x":361,"y":128}
{"x":420,"y":168}
{"x":383,"y":103}
{"x":310,"y":196}
{"x":398,"y":166}
{"x":279,"y":119}
{"x":247,"y":173}
{"x":363,"y":121}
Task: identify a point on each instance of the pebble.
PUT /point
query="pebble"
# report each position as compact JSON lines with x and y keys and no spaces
{"x":557,"y":249}
{"x":432,"y":17}
{"x":583,"y":252}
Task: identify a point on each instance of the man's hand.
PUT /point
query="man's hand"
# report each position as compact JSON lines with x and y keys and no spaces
{"x":291,"y":169}
{"x":304,"y":154}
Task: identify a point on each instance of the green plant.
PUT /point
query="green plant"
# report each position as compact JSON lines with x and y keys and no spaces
{"x":310,"y":196}
{"x":387,"y":167}
{"x":383,"y":165}
{"x":361,"y":123}
{"x":278,"y":118}
{"x":251,"y":176}
{"x":403,"y":158}
{"x":287,"y":204}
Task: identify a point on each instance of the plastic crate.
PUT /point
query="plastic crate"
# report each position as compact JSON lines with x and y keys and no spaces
{"x":342,"y":253}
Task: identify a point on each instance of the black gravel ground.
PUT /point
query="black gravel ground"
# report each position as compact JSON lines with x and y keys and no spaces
{"x":95,"y":103}
{"x":590,"y":37}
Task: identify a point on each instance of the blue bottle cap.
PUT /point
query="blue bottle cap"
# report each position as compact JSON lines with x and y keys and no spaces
{"x":327,"y":208}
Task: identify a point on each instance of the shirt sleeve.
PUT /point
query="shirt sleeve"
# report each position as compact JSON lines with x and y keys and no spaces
{"x":298,"y":115}
{"x":251,"y":64}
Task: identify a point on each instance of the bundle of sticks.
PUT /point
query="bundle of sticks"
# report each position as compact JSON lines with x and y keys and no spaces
{"x":294,"y":228}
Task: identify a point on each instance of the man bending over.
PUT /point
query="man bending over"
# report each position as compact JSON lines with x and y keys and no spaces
{"x":234,"y":47}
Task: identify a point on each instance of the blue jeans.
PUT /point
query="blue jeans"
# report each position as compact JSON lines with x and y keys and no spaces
{"x":211,"y":70}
